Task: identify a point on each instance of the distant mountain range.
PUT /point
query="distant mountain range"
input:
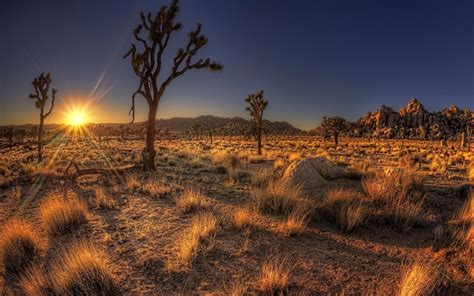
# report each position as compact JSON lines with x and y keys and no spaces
{"x":183,"y":124}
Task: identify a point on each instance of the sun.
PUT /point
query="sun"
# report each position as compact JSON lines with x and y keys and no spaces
{"x":77,"y":118}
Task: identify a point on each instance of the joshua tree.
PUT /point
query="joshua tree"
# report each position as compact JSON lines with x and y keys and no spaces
{"x":147,"y":64}
{"x":41,"y":86}
{"x":256,"y":106}
{"x":333,"y":126}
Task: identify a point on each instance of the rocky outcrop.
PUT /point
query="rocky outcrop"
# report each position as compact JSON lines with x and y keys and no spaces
{"x":312,"y":173}
{"x":413,"y":122}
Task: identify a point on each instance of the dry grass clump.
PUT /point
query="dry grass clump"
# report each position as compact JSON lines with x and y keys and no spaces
{"x":132,"y":182}
{"x":274,"y":277}
{"x":294,"y":156}
{"x":279,"y":164}
{"x":83,"y":270}
{"x":242,"y":218}
{"x":419,"y":279}
{"x":401,"y":194}
{"x":345,"y":208}
{"x":403,"y":214}
{"x":255,"y":158}
{"x":279,"y":198}
{"x":229,"y":160}
{"x":34,"y":282}
{"x":203,"y":226}
{"x":295,"y":223}
{"x":104,"y":201}
{"x":190,"y":201}
{"x":261,"y":178}
{"x":155,"y":189}
{"x":20,"y":246}
{"x":63,"y":216}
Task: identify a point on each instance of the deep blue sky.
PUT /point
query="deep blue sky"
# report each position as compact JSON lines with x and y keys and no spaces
{"x":312,"y":58}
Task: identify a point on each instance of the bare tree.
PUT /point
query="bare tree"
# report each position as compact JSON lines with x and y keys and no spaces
{"x":41,"y":87}
{"x":147,"y":65}
{"x":256,"y":105}
{"x":333,"y":126}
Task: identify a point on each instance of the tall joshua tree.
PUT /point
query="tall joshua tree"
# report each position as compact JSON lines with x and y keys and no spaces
{"x":333,"y":126}
{"x":256,"y":105}
{"x":147,"y":65}
{"x":41,"y":86}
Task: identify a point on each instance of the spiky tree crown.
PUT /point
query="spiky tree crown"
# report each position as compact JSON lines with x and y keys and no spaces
{"x":256,"y":105}
{"x":147,"y":62}
{"x":41,"y":86}
{"x":334,"y":124}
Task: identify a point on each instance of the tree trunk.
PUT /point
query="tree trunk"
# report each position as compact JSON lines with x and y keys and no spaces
{"x":40,"y":138}
{"x":148,"y":154}
{"x":259,"y":140}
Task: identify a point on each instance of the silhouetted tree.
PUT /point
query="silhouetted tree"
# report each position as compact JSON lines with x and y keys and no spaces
{"x":147,"y":64}
{"x":256,"y":105}
{"x":333,"y":126}
{"x":41,"y":87}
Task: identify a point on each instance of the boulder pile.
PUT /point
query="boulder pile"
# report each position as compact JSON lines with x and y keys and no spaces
{"x":413,"y":122}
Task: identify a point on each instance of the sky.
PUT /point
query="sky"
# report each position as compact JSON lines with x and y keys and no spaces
{"x":312,"y":58}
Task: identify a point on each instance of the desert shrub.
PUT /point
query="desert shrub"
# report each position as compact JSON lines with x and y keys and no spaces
{"x":83,"y":270}
{"x":20,"y":246}
{"x":274,"y":277}
{"x":419,"y":279}
{"x":35,"y":282}
{"x":155,"y":189}
{"x":190,"y":201}
{"x":344,"y":207}
{"x":202,"y":227}
{"x":103,"y":201}
{"x":63,"y":216}
{"x":280,"y":198}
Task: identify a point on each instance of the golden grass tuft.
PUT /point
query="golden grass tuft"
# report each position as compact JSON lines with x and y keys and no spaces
{"x":35,"y":282}
{"x":103,"y":201}
{"x":190,"y":201}
{"x":132,"y":182}
{"x":295,"y":223}
{"x":279,"y":198}
{"x":63,"y":216}
{"x":202,"y":227}
{"x":274,"y":277}
{"x":83,"y":270}
{"x":279,"y":164}
{"x":419,"y":279}
{"x":229,"y":160}
{"x":155,"y":189}
{"x":401,"y":194}
{"x":242,"y":218}
{"x":20,"y":246}
{"x":345,"y":208}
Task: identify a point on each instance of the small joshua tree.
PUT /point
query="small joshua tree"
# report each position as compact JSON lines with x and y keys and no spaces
{"x":333,"y":126}
{"x":147,"y":65}
{"x":41,"y":96}
{"x":256,"y":105}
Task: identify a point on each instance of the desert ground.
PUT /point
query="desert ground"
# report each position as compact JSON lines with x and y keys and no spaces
{"x":389,"y":217}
